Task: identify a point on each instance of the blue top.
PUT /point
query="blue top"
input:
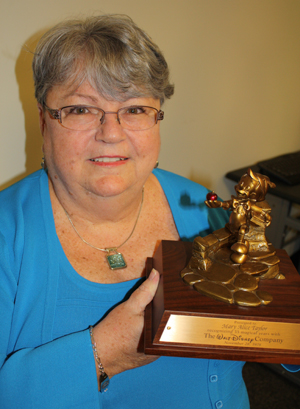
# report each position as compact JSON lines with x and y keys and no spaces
{"x":46,"y":357}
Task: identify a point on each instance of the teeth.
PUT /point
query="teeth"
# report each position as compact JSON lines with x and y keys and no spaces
{"x":107,"y":159}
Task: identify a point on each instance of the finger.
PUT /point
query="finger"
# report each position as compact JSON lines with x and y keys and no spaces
{"x":144,"y":294}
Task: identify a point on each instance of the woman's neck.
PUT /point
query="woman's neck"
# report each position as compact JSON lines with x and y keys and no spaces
{"x":87,"y":208}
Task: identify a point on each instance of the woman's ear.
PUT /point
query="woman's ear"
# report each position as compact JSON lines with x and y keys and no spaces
{"x":41,"y":118}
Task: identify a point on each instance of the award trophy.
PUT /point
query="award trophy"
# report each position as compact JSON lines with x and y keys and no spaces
{"x":229,"y":295}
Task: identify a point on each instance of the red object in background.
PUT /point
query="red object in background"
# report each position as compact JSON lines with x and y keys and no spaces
{"x":212,"y":196}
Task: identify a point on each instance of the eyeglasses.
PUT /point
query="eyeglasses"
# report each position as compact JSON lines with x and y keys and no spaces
{"x":84,"y":118}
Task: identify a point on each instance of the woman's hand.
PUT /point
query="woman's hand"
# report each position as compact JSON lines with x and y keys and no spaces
{"x":118,"y":335}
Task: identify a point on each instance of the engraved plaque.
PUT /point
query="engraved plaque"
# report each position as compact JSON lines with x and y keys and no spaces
{"x":183,"y":322}
{"x":228,"y":332}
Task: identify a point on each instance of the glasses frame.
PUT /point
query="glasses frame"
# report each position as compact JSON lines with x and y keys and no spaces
{"x":56,"y":114}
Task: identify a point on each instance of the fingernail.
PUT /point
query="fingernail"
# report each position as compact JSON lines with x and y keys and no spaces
{"x":153,"y":274}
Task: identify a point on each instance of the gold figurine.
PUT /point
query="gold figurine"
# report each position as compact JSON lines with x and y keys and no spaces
{"x":228,"y":264}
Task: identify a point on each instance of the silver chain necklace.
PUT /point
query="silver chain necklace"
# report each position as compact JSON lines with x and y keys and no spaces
{"x":114,"y":259}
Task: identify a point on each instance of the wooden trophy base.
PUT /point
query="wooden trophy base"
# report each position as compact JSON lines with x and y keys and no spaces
{"x":181,"y":322}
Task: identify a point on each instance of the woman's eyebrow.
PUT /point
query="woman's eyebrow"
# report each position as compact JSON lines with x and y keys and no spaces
{"x":85,"y":96}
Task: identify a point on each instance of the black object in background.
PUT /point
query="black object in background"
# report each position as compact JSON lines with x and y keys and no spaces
{"x":284,"y":167}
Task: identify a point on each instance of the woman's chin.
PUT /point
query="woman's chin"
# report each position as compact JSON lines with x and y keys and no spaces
{"x":109,"y":186}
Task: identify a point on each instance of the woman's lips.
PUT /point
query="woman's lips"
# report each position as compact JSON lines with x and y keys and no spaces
{"x":109,"y":160}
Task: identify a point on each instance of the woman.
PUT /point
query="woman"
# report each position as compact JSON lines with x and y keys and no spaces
{"x":75,"y":235}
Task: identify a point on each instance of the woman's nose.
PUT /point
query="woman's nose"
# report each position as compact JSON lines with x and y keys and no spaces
{"x":103,"y":118}
{"x":110,"y":129}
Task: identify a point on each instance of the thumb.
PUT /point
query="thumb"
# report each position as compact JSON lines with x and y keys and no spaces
{"x":144,"y":294}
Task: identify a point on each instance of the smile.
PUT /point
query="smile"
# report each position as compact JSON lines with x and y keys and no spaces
{"x":108,"y":160}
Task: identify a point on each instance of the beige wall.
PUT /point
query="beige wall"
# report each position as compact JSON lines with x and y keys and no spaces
{"x":235,"y":64}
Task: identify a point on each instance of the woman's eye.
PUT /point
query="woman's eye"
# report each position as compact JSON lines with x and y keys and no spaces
{"x":80,"y":110}
{"x":77,"y":110}
{"x":135,"y":110}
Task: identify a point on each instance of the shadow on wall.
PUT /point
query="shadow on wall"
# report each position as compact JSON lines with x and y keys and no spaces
{"x":33,"y":143}
{"x":203,"y":179}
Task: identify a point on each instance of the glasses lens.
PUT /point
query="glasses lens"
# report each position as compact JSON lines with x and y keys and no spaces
{"x":81,"y":118}
{"x":137,"y":118}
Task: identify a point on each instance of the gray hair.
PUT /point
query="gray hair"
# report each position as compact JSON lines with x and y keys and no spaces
{"x":118,"y":58}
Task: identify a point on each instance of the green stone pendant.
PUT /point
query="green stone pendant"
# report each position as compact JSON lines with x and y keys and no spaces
{"x":115,"y":260}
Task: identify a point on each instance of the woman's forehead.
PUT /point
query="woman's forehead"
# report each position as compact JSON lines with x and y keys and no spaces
{"x":88,"y":94}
